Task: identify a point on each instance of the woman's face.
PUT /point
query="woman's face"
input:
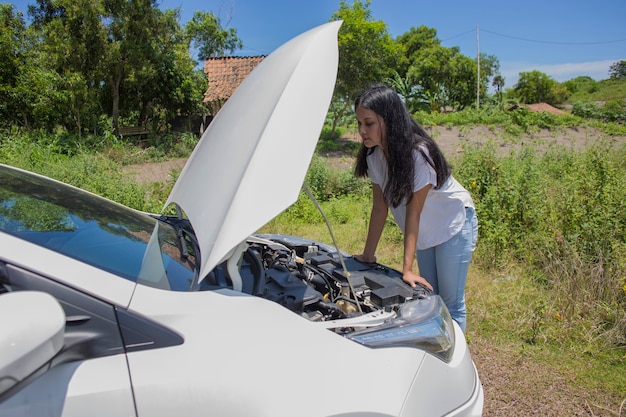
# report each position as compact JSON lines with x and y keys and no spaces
{"x":371,"y":128}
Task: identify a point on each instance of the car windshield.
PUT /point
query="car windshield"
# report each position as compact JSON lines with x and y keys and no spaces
{"x":93,"y":230}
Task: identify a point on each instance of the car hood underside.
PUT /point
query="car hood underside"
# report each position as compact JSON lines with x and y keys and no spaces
{"x":269,"y":127}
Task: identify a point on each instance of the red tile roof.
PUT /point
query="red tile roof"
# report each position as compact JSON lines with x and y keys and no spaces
{"x":225,"y":74}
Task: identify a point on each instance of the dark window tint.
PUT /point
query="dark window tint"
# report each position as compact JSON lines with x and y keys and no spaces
{"x":93,"y":230}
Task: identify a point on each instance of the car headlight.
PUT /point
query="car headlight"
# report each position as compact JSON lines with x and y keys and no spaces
{"x":424,"y":324}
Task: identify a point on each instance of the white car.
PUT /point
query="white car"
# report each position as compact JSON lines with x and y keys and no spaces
{"x":108,"y":311}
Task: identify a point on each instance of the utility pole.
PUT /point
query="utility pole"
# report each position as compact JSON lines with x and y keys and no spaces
{"x":478,"y":70}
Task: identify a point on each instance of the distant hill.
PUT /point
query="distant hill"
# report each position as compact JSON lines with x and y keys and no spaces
{"x":586,"y":89}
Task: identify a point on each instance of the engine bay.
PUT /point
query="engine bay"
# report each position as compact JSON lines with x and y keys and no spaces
{"x":309,"y":278}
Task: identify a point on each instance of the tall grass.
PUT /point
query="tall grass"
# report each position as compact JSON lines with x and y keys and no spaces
{"x":94,"y":163}
{"x":548,"y":279}
{"x":558,"y":215}
{"x":522,"y":120}
{"x":561,"y":214}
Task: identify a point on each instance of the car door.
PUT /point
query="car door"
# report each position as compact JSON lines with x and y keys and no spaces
{"x":90,"y":374}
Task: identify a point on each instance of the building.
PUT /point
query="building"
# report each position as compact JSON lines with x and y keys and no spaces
{"x":224,"y":75}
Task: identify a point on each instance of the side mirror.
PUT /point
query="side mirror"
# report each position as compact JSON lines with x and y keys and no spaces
{"x":32,"y":334}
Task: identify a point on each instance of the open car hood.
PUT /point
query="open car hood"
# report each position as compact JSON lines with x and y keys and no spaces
{"x":267,"y":129}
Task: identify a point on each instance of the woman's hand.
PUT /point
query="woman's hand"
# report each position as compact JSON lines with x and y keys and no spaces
{"x":365,"y":258}
{"x":413,"y":279}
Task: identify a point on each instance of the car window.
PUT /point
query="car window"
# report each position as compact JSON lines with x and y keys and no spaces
{"x":93,"y":230}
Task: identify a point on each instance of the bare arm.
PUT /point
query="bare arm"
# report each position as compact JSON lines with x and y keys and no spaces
{"x":411,"y":232}
{"x":378,"y":217}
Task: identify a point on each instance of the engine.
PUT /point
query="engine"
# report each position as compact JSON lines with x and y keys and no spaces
{"x":309,"y":278}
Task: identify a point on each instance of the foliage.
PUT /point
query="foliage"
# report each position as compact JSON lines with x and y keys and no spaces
{"x":331,"y":141}
{"x":548,"y":276}
{"x":489,"y":69}
{"x":537,"y":87}
{"x":560,"y":214}
{"x":85,"y":169}
{"x":413,"y":95}
{"x":617,"y":70}
{"x":208,"y":35}
{"x":80,"y":60}
{"x":442,"y":76}
{"x":513,"y":121}
{"x":586,"y":89}
{"x":498,"y":83}
{"x":366,"y":50}
{"x":447,"y":77}
{"x":367,"y":54}
{"x":612,"y":111}
{"x":413,"y":41}
{"x":326,"y":183}
{"x":581,"y":84}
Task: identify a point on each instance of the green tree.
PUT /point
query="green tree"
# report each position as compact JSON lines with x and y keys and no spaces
{"x":132,"y":27}
{"x":12,"y":60}
{"x":209,"y":37}
{"x":412,"y":94}
{"x":581,"y":84}
{"x":489,"y":68}
{"x":367,"y":53}
{"x":71,"y":41}
{"x":498,"y":83}
{"x":33,"y":93}
{"x":416,"y":39}
{"x":537,"y":87}
{"x":126,"y":58}
{"x":617,"y":70}
{"x":163,"y":87}
{"x":447,"y":77}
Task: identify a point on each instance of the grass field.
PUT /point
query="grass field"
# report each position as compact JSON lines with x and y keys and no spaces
{"x":546,"y":292}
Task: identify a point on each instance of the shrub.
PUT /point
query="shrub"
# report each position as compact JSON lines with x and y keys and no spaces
{"x":561,"y":215}
{"x":327,"y":183}
{"x":612,"y":111}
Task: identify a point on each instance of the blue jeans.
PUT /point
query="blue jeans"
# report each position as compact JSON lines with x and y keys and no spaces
{"x":445,"y":266}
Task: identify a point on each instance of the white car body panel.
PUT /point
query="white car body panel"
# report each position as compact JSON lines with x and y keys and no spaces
{"x":268,"y":127}
{"x":22,"y":353}
{"x":204,"y":370}
{"x":240,"y":355}
{"x":95,"y":388}
{"x":63,"y":269}
{"x":450,"y":384}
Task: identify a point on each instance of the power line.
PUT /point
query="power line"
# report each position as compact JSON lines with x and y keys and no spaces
{"x":551,"y":42}
{"x":460,"y":34}
{"x":533,"y":40}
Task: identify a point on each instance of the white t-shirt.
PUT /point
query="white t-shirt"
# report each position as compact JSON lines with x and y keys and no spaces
{"x":443,"y":214}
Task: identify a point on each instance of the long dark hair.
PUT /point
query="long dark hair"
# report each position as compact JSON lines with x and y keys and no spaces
{"x":404,"y":135}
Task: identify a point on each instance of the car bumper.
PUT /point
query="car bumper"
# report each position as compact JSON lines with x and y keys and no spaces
{"x":446,"y":389}
{"x":474,"y":407}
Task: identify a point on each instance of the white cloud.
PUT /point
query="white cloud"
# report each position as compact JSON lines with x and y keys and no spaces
{"x":598,"y":70}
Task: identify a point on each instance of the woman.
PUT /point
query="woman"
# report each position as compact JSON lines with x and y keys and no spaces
{"x":411,"y":176}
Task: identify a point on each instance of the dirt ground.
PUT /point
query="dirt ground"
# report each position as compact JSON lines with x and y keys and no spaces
{"x":451,"y":140}
{"x":513,"y":387}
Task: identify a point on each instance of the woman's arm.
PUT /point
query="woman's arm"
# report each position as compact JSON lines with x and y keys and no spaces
{"x":378,"y":217}
{"x":411,"y":232}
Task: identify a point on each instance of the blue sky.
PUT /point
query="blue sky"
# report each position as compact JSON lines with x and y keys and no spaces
{"x":562,"y":38}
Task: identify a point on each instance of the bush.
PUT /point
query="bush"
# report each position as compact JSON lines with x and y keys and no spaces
{"x":327,"y":183}
{"x":612,"y":111}
{"x":561,"y":214}
{"x":82,"y":168}
{"x":526,"y":120}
